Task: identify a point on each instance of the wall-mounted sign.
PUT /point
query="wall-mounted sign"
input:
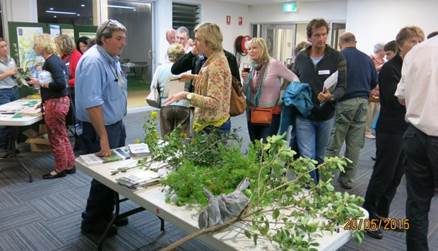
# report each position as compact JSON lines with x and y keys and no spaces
{"x":240,"y":21}
{"x":290,"y":7}
{"x":228,"y":20}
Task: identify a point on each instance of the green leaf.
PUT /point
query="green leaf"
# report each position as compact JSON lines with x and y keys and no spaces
{"x":276,"y":213}
{"x":247,"y":234}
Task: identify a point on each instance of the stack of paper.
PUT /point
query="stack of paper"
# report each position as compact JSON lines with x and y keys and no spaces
{"x":138,"y":178}
{"x":139,"y":150}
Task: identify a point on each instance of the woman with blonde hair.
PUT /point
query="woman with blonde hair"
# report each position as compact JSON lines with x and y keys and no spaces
{"x":262,"y":84}
{"x":56,"y":104}
{"x":66,"y":49}
{"x":178,"y":113}
{"x":211,"y":98}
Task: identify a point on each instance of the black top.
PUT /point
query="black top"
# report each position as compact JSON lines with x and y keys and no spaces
{"x":194,"y":63}
{"x":361,"y":74}
{"x":392,"y":113}
{"x":315,"y":76}
{"x":57,"y":88}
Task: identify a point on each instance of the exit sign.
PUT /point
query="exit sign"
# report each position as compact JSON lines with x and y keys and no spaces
{"x":290,"y":7}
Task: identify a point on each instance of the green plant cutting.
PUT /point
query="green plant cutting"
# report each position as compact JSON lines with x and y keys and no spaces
{"x":285,"y":205}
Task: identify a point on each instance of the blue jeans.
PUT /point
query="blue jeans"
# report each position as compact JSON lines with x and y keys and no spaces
{"x":312,"y":139}
{"x":225,"y":128}
{"x":6,"y":96}
{"x":100,"y":203}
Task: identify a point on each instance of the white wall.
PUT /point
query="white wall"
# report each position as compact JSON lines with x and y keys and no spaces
{"x":18,"y":11}
{"x":375,"y":21}
{"x":211,"y":11}
{"x":161,"y":22}
{"x":334,"y":10}
{"x":216,"y":12}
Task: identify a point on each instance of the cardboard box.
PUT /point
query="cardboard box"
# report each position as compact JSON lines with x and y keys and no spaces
{"x":30,"y":133}
{"x":40,"y":140}
{"x":39,"y":148}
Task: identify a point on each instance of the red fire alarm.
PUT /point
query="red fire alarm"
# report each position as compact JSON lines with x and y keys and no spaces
{"x":240,"y":21}
{"x":228,"y":20}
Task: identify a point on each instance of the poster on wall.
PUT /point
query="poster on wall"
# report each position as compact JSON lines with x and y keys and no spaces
{"x":55,"y":30}
{"x":90,"y":35}
{"x":68,"y":32}
{"x":26,"y":55}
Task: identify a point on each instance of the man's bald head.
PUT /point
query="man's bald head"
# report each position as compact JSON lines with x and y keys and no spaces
{"x":170,"y":36}
{"x":347,"y":39}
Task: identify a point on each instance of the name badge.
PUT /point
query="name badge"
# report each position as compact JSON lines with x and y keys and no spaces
{"x":323,"y":72}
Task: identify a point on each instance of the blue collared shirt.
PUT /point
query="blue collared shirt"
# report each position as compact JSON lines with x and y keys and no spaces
{"x":100,"y":82}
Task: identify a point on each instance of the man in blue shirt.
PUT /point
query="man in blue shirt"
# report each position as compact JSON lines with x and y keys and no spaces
{"x":101,"y":101}
{"x":351,"y":109}
{"x":8,"y":86}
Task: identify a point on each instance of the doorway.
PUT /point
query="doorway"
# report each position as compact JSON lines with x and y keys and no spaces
{"x":280,"y":39}
{"x":136,"y":58}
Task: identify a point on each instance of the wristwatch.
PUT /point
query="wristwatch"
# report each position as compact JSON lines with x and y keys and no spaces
{"x":189,"y":96}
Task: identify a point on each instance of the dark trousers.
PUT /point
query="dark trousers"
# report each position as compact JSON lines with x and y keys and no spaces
{"x":7,"y":95}
{"x":259,"y":132}
{"x":421,"y":176}
{"x":100,"y":203}
{"x":173,"y":116}
{"x":387,"y":174}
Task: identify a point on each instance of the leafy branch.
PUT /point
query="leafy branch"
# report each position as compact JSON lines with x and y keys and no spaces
{"x":285,"y":204}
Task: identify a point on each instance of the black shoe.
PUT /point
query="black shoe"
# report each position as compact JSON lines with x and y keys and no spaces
{"x":97,"y":229}
{"x":54,"y":176}
{"x":376,"y":234}
{"x":70,"y":171}
{"x":120,"y":222}
{"x":345,"y":184}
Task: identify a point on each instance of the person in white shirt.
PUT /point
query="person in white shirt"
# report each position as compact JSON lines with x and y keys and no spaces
{"x":418,"y":90}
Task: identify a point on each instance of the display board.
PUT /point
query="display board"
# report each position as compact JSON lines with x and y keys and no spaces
{"x":21,"y":41}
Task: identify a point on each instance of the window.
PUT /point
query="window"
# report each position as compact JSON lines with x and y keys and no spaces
{"x":185,"y":15}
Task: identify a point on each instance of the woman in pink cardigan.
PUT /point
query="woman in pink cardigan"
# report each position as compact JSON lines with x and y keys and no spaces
{"x":263,"y":84}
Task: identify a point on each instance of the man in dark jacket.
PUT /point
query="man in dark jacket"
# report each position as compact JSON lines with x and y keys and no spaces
{"x":351,"y":110}
{"x":314,"y":66}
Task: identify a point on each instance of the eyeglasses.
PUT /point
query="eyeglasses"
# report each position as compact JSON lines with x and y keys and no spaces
{"x":110,"y":21}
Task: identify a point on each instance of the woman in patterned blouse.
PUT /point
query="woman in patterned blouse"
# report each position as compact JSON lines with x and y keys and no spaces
{"x":211,"y":98}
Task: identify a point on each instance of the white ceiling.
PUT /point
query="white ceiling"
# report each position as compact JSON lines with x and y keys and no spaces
{"x":259,"y":2}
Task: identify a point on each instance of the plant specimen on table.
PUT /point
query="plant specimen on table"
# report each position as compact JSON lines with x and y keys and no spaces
{"x":285,"y":205}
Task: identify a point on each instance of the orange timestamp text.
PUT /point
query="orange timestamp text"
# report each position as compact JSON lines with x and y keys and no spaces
{"x":375,"y":224}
